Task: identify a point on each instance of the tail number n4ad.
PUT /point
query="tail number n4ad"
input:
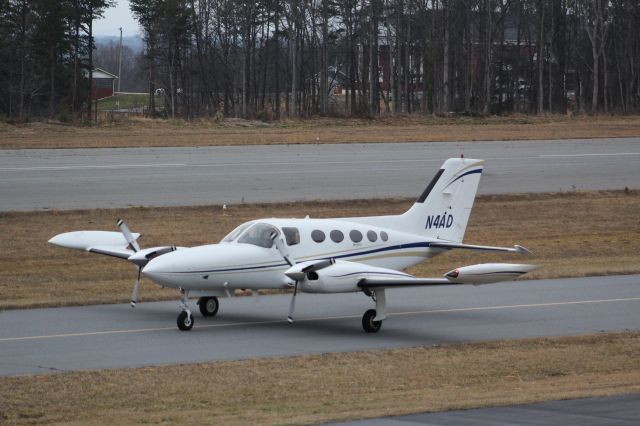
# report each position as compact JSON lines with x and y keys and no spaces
{"x":439,"y":221}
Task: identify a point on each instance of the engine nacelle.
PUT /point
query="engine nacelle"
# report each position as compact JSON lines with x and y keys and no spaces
{"x":142,"y":257}
{"x":488,"y":273}
{"x":339,"y":277}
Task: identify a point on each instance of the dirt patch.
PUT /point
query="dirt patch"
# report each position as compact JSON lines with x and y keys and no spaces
{"x":571,"y":234}
{"x":333,"y":386}
{"x":141,"y":132}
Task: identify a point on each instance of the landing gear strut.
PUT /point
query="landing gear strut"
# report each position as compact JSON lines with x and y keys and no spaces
{"x":185,"y":319}
{"x":372,"y":319}
{"x":208,"y":306}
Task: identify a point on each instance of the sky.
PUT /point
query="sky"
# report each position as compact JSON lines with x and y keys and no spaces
{"x":114,"y":18}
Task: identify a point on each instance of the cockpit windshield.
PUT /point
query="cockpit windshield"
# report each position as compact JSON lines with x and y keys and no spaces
{"x":236,"y":232}
{"x":260,"y":234}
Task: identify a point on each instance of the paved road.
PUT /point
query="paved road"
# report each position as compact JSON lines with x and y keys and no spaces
{"x":621,"y":410}
{"x":111,"y":336}
{"x":65,"y":179}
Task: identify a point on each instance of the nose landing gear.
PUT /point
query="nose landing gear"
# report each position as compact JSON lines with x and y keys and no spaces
{"x":185,"y":318}
{"x":185,"y":321}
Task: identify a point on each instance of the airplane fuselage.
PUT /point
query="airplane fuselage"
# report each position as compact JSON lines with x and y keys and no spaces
{"x":248,"y":259}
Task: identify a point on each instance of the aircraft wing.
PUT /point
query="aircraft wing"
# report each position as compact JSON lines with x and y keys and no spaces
{"x":402,"y":282}
{"x":101,"y":242}
{"x":484,"y":273}
{"x":113,"y":251}
{"x":447,"y":245}
{"x":112,"y":244}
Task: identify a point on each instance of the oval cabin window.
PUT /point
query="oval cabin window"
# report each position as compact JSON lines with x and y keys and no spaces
{"x":317,"y":236}
{"x":336,"y":236}
{"x":356,"y":236}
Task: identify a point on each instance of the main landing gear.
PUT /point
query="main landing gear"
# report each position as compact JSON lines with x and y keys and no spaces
{"x":208,"y":306}
{"x":368,"y":323}
{"x":372,"y":319}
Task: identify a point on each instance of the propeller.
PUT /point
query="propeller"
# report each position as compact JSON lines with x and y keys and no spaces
{"x":292,"y":304}
{"x":296,"y":276}
{"x":282,"y":248}
{"x":134,"y":245}
{"x":136,"y":286}
{"x":284,"y":252}
{"x":127,"y":235}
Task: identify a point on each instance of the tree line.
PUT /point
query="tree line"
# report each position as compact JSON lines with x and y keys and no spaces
{"x":46,"y":57}
{"x":272,"y":58}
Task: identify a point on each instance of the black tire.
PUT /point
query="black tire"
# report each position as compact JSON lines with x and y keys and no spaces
{"x":369,"y":325}
{"x":208,"y":306}
{"x":185,"y":321}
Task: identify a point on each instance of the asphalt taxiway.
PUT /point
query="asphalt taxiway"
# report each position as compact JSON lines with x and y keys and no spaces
{"x":103,"y":178}
{"x":619,"y":410}
{"x":114,"y":336}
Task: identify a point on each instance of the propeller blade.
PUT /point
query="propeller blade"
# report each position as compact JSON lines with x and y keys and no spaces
{"x":127,"y":235}
{"x":282,"y":248}
{"x":136,"y":286}
{"x":292,"y":304}
{"x":276,"y":237}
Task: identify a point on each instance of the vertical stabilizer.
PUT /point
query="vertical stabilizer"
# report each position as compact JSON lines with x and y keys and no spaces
{"x":442,"y":210}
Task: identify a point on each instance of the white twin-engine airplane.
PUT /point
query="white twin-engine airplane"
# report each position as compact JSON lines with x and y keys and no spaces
{"x":355,"y":254}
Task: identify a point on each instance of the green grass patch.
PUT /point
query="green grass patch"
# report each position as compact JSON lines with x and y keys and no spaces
{"x":124,"y":101}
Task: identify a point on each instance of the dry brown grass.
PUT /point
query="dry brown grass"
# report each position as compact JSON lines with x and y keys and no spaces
{"x":145,"y":132}
{"x":333,"y":386}
{"x":571,"y":234}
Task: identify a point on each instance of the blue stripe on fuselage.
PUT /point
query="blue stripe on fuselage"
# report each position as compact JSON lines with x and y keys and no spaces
{"x":248,"y":268}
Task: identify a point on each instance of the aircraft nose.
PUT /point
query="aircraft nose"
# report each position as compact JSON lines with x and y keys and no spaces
{"x":154,"y":269}
{"x":183,"y":268}
{"x":164,"y":269}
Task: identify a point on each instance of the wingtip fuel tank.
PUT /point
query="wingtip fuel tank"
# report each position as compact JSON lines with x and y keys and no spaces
{"x":488,"y":273}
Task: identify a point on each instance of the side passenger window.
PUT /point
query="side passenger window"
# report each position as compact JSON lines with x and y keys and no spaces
{"x":317,"y":236}
{"x":336,"y":236}
{"x":291,"y":235}
{"x":356,"y":236}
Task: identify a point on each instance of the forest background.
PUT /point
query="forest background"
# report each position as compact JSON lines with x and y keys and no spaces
{"x":271,"y":59}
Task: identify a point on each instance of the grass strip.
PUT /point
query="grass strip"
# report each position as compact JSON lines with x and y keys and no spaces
{"x":332,"y":386}
{"x":571,"y":234}
{"x":140,"y":132}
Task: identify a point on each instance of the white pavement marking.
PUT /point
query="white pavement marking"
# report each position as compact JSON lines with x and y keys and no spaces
{"x":245,"y":164}
{"x":114,"y":166}
{"x":284,"y":163}
{"x":607,"y":154}
{"x":433,"y":311}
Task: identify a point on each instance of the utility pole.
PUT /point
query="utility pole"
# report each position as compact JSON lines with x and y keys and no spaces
{"x":120,"y":61}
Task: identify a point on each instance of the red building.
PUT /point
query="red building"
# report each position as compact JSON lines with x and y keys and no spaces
{"x":103,"y":85}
